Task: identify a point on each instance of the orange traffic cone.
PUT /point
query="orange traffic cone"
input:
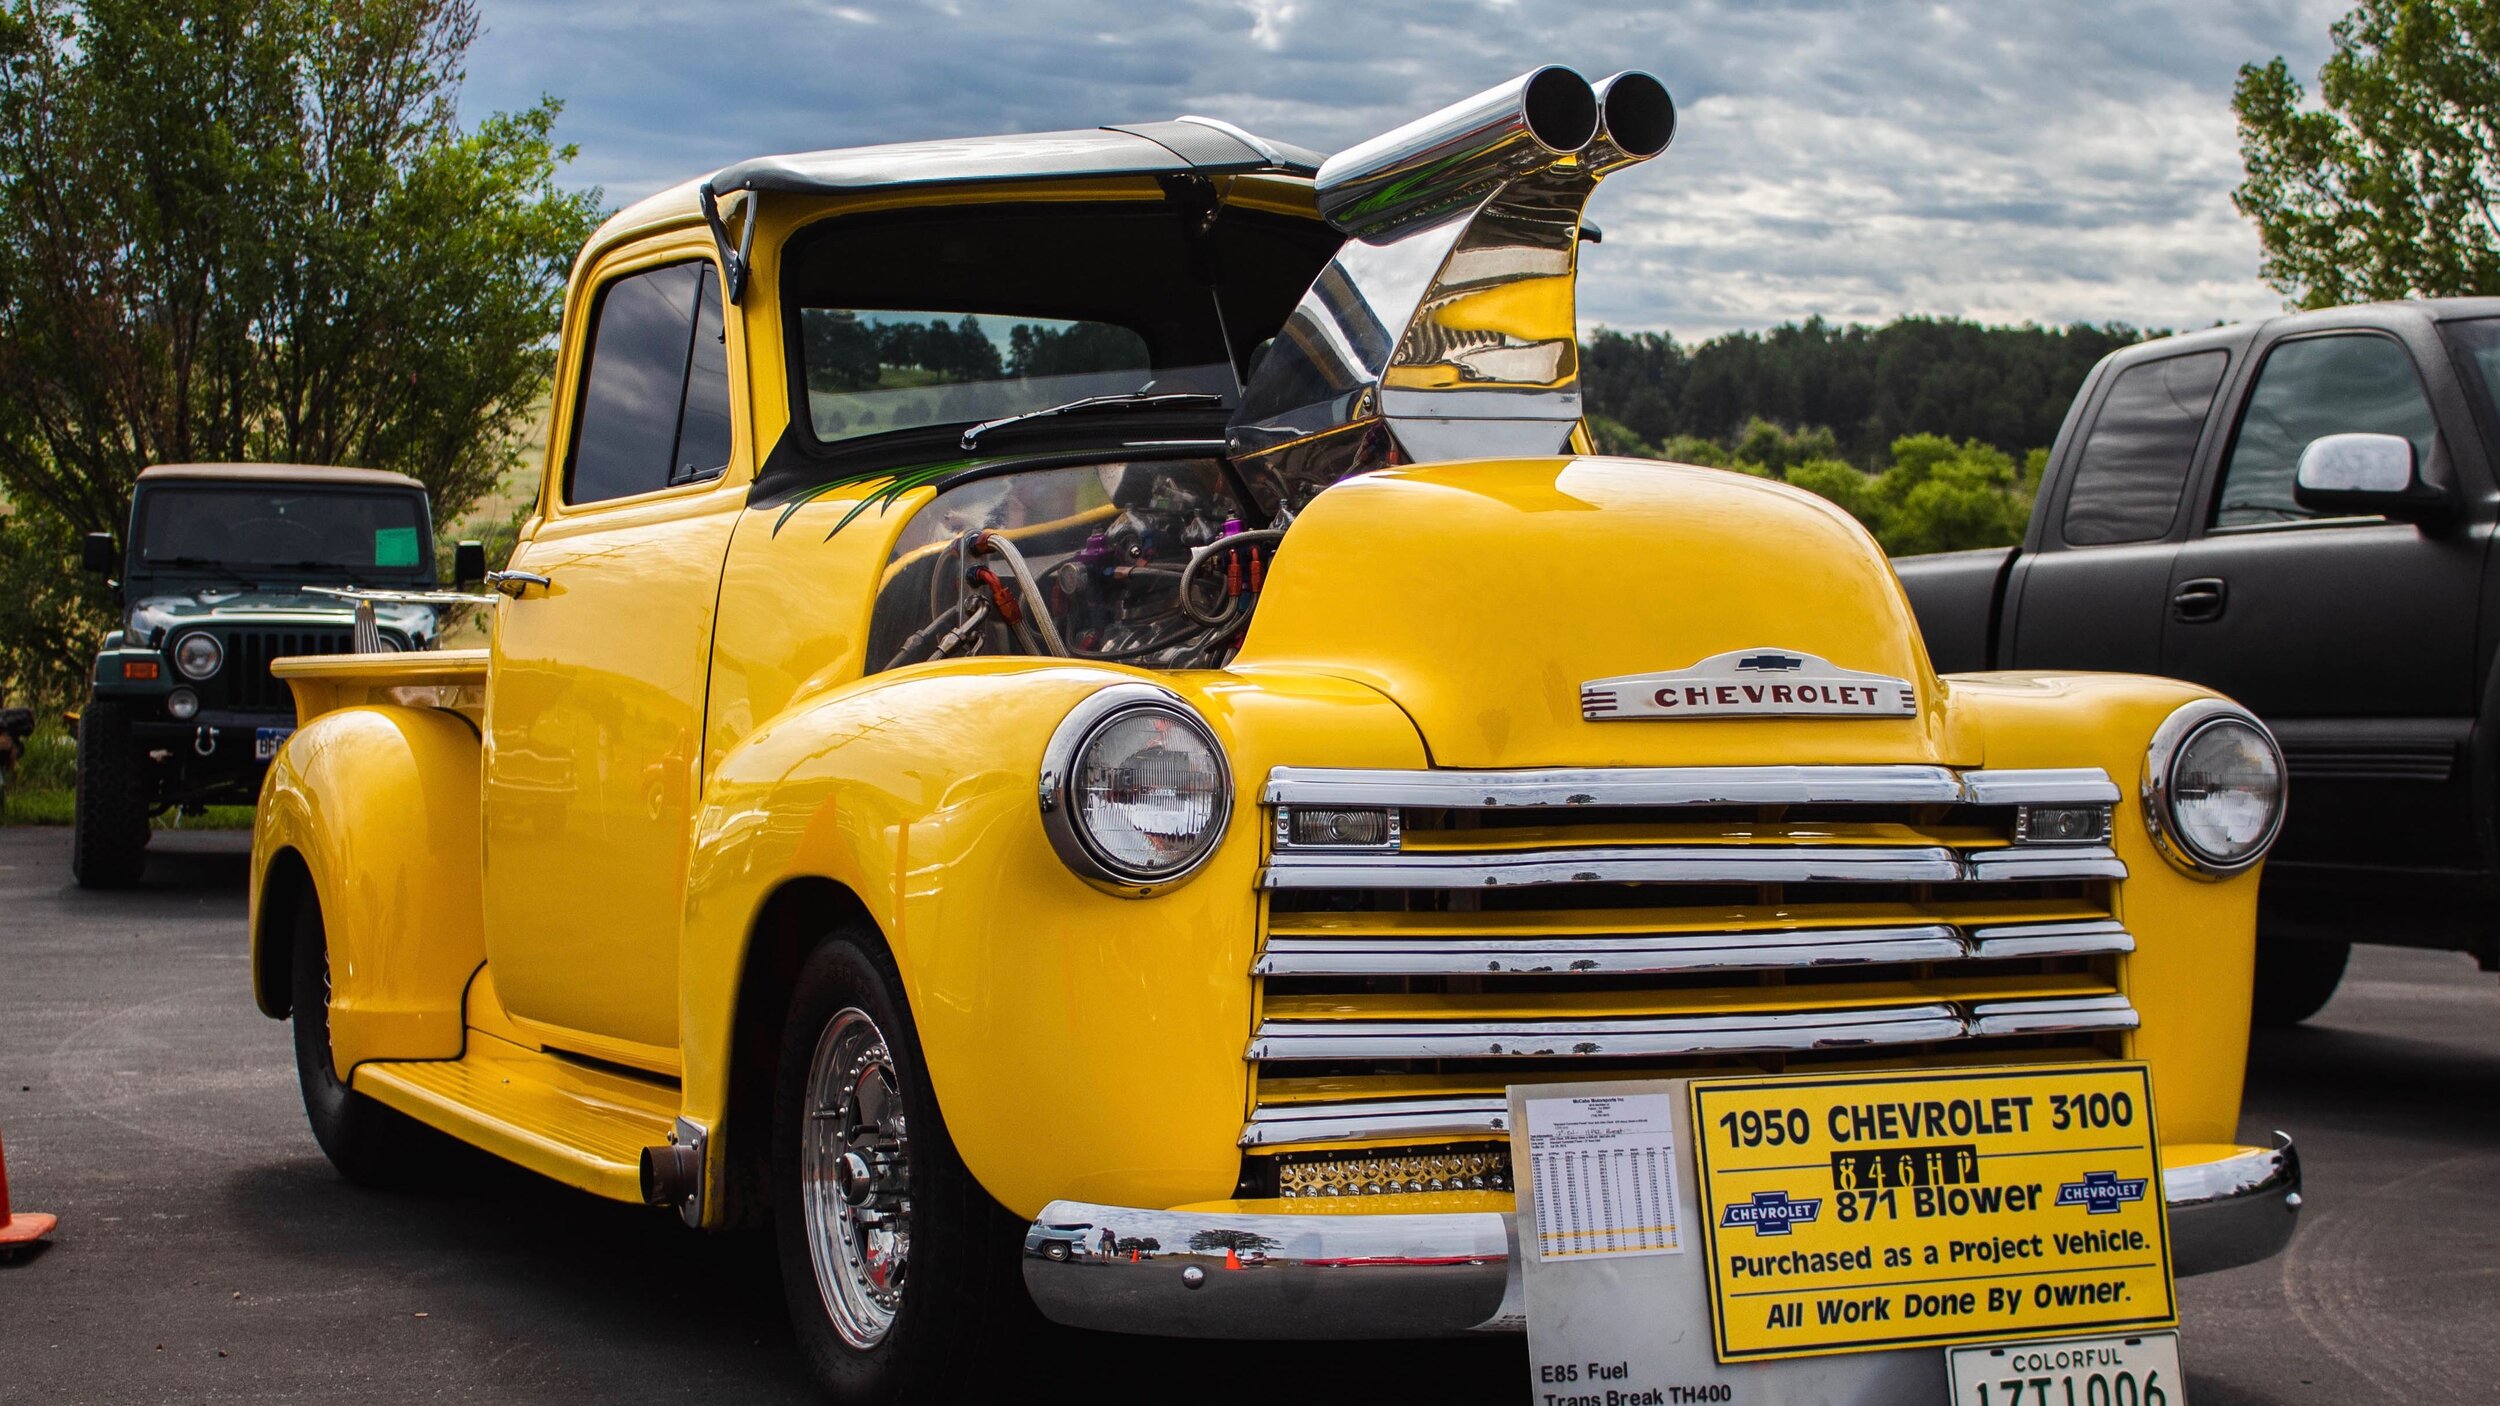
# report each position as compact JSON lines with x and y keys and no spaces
{"x":26,"y":1227}
{"x":1232,"y":1258}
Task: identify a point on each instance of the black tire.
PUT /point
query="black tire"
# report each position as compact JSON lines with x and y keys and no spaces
{"x":2295,"y":980}
{"x":370,"y":1144}
{"x":109,"y":826}
{"x":963,"y":1310}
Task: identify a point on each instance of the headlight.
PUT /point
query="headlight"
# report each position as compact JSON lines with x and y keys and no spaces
{"x":1135,"y":790}
{"x":198,"y":654}
{"x":2213,"y":788}
{"x":183,"y":704}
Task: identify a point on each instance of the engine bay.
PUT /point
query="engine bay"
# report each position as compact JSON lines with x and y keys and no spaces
{"x":1147,"y":562}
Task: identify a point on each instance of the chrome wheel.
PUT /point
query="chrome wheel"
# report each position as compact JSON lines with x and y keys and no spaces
{"x":855,"y":1178}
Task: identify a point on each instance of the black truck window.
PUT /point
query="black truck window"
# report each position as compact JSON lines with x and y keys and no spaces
{"x":2308,"y":388}
{"x":2135,"y":462}
{"x":655,"y":401}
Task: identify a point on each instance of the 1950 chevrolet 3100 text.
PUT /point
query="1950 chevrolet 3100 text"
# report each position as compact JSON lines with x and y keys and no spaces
{"x":1070,"y":718}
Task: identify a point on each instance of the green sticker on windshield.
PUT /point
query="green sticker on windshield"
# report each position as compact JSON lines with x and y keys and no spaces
{"x":394,"y":546}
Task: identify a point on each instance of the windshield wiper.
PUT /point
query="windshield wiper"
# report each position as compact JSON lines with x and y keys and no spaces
{"x":1130,"y":400}
{"x":200,"y":564}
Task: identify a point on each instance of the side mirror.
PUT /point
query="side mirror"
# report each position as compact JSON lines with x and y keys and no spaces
{"x":468,"y":563}
{"x":96,"y":554}
{"x":2358,"y":474}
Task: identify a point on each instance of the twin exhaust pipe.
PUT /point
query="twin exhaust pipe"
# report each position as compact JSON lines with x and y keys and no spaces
{"x":1445,"y":162}
{"x":1446,"y":325}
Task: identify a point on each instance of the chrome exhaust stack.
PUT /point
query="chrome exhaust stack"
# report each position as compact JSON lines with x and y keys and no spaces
{"x":1446,"y":327}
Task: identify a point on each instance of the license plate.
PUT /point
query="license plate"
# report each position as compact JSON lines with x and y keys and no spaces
{"x":2142,"y":1370}
{"x":267,"y":740}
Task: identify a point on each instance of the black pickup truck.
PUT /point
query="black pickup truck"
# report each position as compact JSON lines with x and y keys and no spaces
{"x":2299,"y":513}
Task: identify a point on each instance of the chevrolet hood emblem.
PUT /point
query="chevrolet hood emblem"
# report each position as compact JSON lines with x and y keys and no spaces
{"x":1750,"y":683}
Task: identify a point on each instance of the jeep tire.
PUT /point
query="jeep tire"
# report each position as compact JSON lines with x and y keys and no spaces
{"x":109,"y":826}
{"x":370,"y":1144}
{"x":2295,"y":979}
{"x":958,"y":1304}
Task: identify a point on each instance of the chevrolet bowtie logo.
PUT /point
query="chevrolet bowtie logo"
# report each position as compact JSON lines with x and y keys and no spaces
{"x":1782,"y":662}
{"x":2101,"y":1193}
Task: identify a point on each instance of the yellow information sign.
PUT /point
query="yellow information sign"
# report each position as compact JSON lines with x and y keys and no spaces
{"x":1849,"y":1212}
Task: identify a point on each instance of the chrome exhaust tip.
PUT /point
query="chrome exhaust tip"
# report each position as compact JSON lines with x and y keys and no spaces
{"x":1636,"y":121}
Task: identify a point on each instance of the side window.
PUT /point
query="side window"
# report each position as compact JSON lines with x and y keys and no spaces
{"x":2312,"y":387}
{"x":655,"y":396}
{"x":2135,"y":462}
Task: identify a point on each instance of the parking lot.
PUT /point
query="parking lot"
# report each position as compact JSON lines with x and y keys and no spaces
{"x":207,"y":1252}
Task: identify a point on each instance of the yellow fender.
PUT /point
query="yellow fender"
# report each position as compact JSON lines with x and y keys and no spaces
{"x":376,"y":808}
{"x":1084,"y":1044}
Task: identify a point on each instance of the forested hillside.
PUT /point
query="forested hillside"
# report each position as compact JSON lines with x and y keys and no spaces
{"x":2003,"y":386}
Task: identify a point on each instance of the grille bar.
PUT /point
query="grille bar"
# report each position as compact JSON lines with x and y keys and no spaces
{"x":1398,"y":1118}
{"x":1687,"y":786}
{"x":1692,"y":864}
{"x":1772,"y":1032}
{"x":1656,"y":954}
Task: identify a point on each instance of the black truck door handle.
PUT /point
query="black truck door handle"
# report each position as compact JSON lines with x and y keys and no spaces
{"x":2199,"y":600}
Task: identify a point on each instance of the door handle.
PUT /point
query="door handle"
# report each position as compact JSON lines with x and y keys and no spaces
{"x":2200,"y":600}
{"x":513,"y":583}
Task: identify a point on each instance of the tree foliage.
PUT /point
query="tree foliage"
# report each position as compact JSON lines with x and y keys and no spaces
{"x":2006,"y":386}
{"x":2386,"y":191}
{"x":254,"y":229}
{"x":1934,"y":495}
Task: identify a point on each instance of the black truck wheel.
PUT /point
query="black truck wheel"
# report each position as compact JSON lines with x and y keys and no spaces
{"x":370,"y":1144}
{"x":901,"y":1273}
{"x":109,"y":827}
{"x":2295,"y":980}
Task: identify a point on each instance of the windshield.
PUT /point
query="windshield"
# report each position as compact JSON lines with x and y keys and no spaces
{"x":870,"y":371}
{"x":263,"y":529}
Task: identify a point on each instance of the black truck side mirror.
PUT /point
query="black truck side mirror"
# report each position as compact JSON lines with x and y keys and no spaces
{"x":96,"y":553}
{"x":468,"y":563}
{"x":2362,"y":474}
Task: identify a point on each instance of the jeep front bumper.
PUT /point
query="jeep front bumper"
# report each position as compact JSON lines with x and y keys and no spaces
{"x":1352,"y":1275}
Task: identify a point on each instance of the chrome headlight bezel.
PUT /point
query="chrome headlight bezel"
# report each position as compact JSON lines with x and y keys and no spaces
{"x":216,"y":656}
{"x":1060,"y":812}
{"x":2161,"y":760}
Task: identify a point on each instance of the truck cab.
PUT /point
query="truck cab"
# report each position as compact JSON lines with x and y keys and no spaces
{"x":1088,"y":685}
{"x":222,"y":571}
{"x":2182,"y":529}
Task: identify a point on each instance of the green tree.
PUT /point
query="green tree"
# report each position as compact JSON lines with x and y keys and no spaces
{"x":2386,"y":191}
{"x":254,"y":229}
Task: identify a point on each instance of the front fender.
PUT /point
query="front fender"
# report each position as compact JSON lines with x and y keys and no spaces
{"x":2189,"y":976}
{"x":1082,"y":1044}
{"x":380,"y":806}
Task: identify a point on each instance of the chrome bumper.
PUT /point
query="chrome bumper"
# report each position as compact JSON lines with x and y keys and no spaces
{"x":1328,"y":1275}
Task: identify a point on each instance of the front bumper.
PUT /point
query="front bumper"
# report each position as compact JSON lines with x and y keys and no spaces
{"x":1334,"y":1275}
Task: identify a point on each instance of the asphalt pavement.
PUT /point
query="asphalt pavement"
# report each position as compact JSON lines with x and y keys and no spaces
{"x":207,"y":1252}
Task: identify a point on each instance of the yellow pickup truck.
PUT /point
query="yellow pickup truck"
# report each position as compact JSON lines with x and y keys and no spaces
{"x":1074,"y":711}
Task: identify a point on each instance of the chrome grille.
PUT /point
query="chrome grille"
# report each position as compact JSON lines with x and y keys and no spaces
{"x":1624,"y":922}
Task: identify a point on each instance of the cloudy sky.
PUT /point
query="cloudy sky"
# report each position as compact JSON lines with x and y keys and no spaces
{"x":2005,"y":160}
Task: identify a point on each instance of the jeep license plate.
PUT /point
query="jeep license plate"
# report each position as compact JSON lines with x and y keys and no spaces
{"x":2132,"y":1371}
{"x":267,"y":740}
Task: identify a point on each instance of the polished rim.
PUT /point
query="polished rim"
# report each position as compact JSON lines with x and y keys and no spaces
{"x":855,"y":1178}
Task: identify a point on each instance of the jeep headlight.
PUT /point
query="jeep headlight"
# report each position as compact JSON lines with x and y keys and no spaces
{"x":2213,"y":788}
{"x":198,"y":654}
{"x":1135,"y":790}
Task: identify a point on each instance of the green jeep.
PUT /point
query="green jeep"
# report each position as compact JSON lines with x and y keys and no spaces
{"x":228,"y":567}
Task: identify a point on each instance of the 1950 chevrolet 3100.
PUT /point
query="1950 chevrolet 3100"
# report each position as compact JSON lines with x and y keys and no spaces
{"x":1069,"y":719}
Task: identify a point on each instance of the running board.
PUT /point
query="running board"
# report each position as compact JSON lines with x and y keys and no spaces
{"x":584,"y":1126}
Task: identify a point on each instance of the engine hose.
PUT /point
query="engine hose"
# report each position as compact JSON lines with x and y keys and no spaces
{"x":1034,"y":605}
{"x":1200,"y":556}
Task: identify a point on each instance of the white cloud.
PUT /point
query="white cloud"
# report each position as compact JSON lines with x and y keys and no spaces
{"x":1858,"y":161}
